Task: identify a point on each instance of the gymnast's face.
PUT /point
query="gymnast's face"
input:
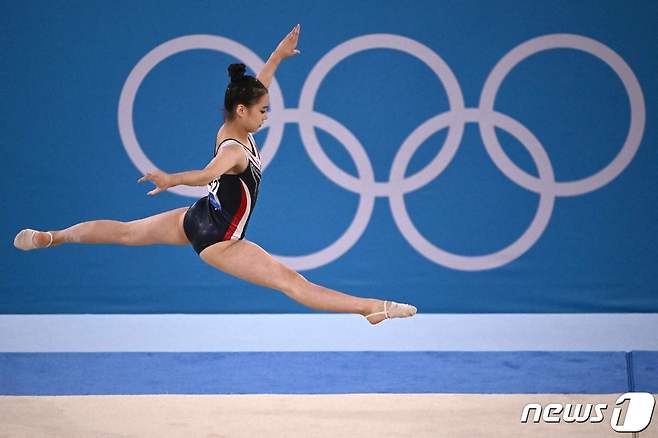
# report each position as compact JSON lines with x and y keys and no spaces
{"x":253,"y":116}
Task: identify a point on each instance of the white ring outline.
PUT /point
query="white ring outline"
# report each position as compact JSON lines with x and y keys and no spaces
{"x":370,"y":42}
{"x":564,"y":41}
{"x":510,"y":252}
{"x":366,"y":201}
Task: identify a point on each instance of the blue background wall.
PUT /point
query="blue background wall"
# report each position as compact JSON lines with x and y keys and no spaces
{"x":63,"y":67}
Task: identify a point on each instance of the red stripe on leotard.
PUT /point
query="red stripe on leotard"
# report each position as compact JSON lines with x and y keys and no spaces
{"x":238,"y":215}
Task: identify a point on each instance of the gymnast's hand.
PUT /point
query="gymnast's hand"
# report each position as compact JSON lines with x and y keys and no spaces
{"x":161,"y":179}
{"x":288,"y":45}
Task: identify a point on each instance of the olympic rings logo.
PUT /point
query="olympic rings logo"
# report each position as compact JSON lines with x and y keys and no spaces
{"x":398,"y":185}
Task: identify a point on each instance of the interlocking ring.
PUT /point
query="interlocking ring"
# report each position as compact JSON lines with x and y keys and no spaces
{"x":398,"y":185}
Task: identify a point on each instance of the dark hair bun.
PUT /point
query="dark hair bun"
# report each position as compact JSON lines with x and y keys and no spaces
{"x":236,"y":71}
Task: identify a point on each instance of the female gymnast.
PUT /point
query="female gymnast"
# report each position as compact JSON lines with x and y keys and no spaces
{"x":215,"y":225}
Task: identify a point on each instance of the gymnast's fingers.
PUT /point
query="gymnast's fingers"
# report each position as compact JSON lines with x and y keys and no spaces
{"x":155,"y":191}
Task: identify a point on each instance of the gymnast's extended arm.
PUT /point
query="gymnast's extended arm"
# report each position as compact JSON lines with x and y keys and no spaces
{"x":228,"y":157}
{"x":286,"y":48}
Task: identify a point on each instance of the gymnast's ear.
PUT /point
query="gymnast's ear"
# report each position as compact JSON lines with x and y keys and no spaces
{"x":241,"y":110}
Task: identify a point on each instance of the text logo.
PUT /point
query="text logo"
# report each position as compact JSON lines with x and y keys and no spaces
{"x":633,"y":416}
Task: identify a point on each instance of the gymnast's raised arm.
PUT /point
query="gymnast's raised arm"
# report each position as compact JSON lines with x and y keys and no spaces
{"x":229,"y":156}
{"x":286,"y":48}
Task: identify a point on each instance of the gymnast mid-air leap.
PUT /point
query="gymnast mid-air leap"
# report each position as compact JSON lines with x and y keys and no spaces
{"x":216,"y":224}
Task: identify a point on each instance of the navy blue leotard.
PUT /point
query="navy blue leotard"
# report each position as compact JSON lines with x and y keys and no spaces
{"x":224,"y":214}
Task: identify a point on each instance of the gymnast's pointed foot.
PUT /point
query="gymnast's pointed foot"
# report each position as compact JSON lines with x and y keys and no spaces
{"x":391,"y":309}
{"x":28,"y":239}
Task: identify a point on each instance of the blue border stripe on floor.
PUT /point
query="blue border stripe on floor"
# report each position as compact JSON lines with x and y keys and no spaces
{"x":645,"y":371}
{"x":323,"y":373}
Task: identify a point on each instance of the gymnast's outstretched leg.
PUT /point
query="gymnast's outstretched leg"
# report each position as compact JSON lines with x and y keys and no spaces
{"x":163,"y":228}
{"x":248,"y":261}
